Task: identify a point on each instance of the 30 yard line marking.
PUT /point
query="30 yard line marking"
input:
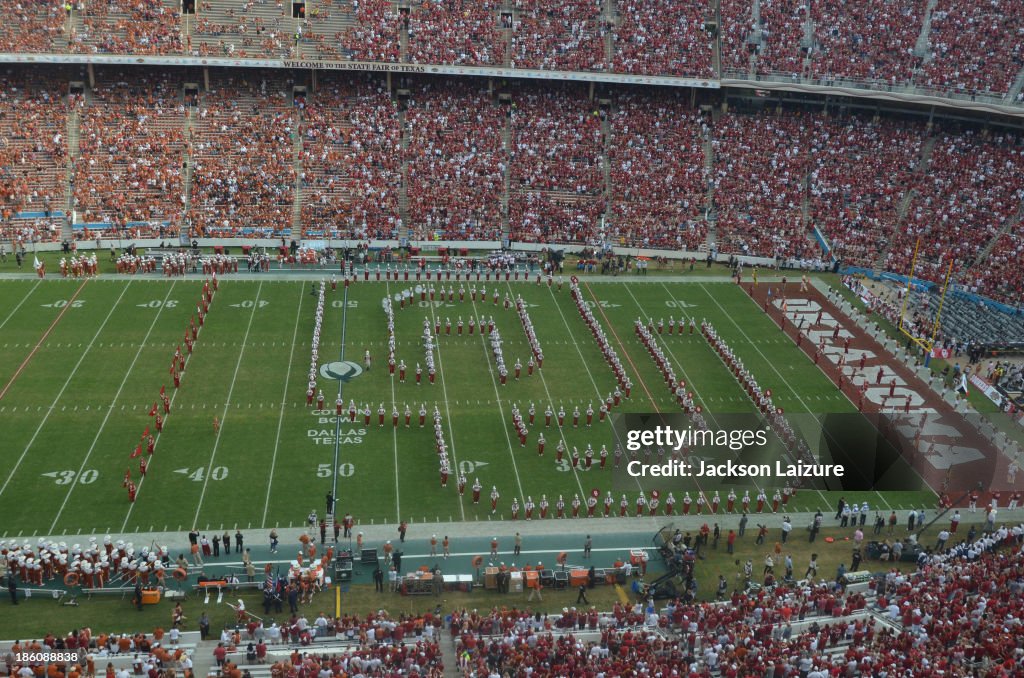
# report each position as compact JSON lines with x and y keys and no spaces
{"x":284,"y":400}
{"x":67,"y":381}
{"x":106,"y":417}
{"x":20,"y":303}
{"x":49,"y":329}
{"x":227,"y":404}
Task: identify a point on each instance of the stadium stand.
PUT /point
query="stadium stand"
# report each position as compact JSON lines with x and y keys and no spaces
{"x":456,"y":32}
{"x":34,"y":27}
{"x":33,"y":153}
{"x":760,"y":167}
{"x":244,"y":157}
{"x":975,"y":46}
{"x":658,"y":173}
{"x":556,"y":194}
{"x":128,"y":27}
{"x":857,"y":210}
{"x":456,"y":163}
{"x":559,"y":35}
{"x":972,"y":187}
{"x":243,"y":29}
{"x":128,"y":173}
{"x":868,"y":40}
{"x":351,"y":160}
{"x":657,"y":38}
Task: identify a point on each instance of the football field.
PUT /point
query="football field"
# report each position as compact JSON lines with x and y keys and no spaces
{"x":84,"y":362}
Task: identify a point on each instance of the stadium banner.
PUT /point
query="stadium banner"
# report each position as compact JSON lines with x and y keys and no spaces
{"x":942,"y":353}
{"x":365,"y":66}
{"x":988,"y":389}
{"x":837,"y":452}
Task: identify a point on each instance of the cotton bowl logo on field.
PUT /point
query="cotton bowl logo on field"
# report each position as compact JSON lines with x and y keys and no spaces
{"x":341,"y":371}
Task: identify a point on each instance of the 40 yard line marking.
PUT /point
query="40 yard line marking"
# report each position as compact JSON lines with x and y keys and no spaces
{"x":106,"y":417}
{"x":488,"y":357}
{"x":447,"y":410}
{"x":67,"y":381}
{"x":20,"y":303}
{"x":284,"y":402}
{"x":227,"y":404}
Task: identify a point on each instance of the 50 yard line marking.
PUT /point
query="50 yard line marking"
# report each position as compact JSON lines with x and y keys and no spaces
{"x":227,"y":404}
{"x":67,"y":381}
{"x":394,"y":429}
{"x":110,"y":409}
{"x":284,"y":402}
{"x":341,"y":386}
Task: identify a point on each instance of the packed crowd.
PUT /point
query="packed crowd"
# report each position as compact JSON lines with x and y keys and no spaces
{"x":556,"y":176}
{"x":857,"y":210}
{"x":33,"y":27}
{"x":658,"y":38}
{"x":1001,"y":277}
{"x":760,"y":167}
{"x":130,"y":150}
{"x":658,"y":174}
{"x":128,"y":27}
{"x":782,"y":32}
{"x":456,"y":163}
{"x":565,"y":35}
{"x":975,"y":46}
{"x":872,"y":40}
{"x":375,"y":35}
{"x":244,"y":175}
{"x":971,"y":187}
{"x":351,"y":160}
{"x":455,"y":32}
{"x":248,"y":29}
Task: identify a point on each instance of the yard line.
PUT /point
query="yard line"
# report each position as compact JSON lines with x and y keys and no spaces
{"x":501,"y":410}
{"x":284,"y":400}
{"x":110,"y":409}
{"x":551,"y":400}
{"x":586,"y":367}
{"x":772,"y":365}
{"x":20,"y":303}
{"x":448,"y":409}
{"x":49,"y":329}
{"x":341,"y":387}
{"x":67,"y":381}
{"x":394,"y":429}
{"x":227,"y":404}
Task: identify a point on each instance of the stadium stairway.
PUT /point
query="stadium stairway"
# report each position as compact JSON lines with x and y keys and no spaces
{"x":506,"y":178}
{"x":73,"y":134}
{"x":921,"y":48}
{"x":297,"y":161}
{"x":901,"y":214}
{"x":403,"y":190}
{"x":609,"y":38}
{"x":1007,"y":227}
{"x":1018,"y":85}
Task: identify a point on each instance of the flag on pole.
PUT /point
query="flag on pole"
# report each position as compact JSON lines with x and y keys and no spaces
{"x":962,"y":388}
{"x":162,"y":389}
{"x":38,"y":264}
{"x":145,"y":432}
{"x":153,"y":410}
{"x":137,"y":452}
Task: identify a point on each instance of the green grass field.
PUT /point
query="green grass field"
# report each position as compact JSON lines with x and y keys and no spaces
{"x":79,"y":378}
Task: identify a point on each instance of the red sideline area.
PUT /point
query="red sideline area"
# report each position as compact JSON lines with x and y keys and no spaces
{"x":948,"y":452}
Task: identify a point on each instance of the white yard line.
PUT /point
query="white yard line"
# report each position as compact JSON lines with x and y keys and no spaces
{"x":544,"y":382}
{"x":586,"y":367}
{"x":772,"y":365}
{"x":67,"y":381}
{"x":227,"y":404}
{"x":501,"y":410}
{"x":284,"y":402}
{"x":20,"y":303}
{"x":394,"y":429}
{"x":110,"y":409}
{"x":447,"y":408}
